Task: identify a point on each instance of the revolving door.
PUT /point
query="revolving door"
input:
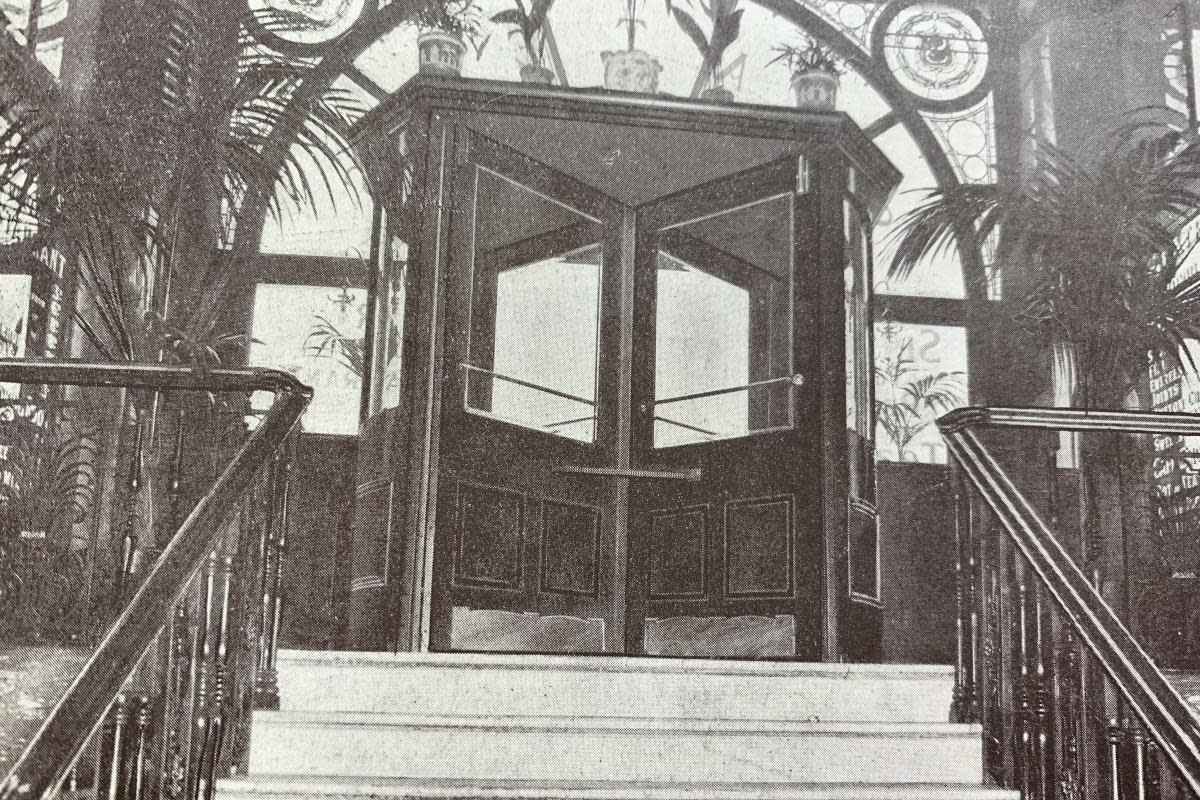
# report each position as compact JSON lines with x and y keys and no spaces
{"x":631,"y":373}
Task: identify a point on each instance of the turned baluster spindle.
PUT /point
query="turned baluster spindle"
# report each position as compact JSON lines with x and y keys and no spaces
{"x":281,"y":528}
{"x":129,"y":537}
{"x":141,"y":750}
{"x":264,"y":688}
{"x":1022,"y":742}
{"x":220,"y":674}
{"x":961,"y":626}
{"x":116,"y":755}
{"x":173,"y":701}
{"x":175,"y":478}
{"x":200,"y":707}
{"x":1112,"y":739}
{"x":1041,"y":675}
{"x":1069,"y":711}
{"x":996,"y":695}
{"x":964,"y":680}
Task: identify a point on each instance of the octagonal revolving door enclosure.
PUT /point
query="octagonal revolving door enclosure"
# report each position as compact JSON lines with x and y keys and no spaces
{"x":619,"y":384}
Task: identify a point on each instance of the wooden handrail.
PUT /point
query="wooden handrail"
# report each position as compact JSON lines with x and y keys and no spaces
{"x":1168,"y":718}
{"x":46,"y":760}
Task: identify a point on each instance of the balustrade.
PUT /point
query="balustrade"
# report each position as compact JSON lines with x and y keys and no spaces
{"x":183,"y":623}
{"x":1071,"y":703}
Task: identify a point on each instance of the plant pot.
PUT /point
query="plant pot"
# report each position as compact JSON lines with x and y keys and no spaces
{"x":532,"y":73}
{"x":717,"y":94}
{"x":440,"y":53}
{"x":631,"y":71}
{"x":816,"y":90}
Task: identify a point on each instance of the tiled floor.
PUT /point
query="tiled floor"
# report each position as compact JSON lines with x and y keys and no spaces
{"x":31,"y":680}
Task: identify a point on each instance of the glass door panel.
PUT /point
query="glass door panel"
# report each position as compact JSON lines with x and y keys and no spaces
{"x":535,"y":330}
{"x":725,"y":524}
{"x":522,"y":560}
{"x":723,"y":325}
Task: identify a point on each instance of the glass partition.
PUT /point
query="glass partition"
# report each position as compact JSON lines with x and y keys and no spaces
{"x":535,"y":310}
{"x":723,"y":331}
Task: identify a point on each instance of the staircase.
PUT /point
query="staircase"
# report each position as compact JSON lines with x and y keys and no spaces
{"x":457,"y":726}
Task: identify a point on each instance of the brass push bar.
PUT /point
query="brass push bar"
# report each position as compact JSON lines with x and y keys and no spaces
{"x":690,"y":475}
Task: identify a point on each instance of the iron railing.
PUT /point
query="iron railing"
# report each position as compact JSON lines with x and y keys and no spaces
{"x":1071,"y":704}
{"x":161,"y":707}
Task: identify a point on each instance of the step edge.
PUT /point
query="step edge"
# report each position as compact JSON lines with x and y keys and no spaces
{"x":533,"y":722}
{"x":613,"y":664}
{"x":271,"y":785}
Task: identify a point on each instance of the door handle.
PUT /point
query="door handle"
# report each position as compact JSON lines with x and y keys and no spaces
{"x":691,"y":475}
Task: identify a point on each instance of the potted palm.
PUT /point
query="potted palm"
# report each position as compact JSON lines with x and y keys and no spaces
{"x":445,"y":26}
{"x":726,"y":25}
{"x":1098,"y":281}
{"x":530,"y":24}
{"x":631,"y":70}
{"x":156,"y":182}
{"x":815,"y":75}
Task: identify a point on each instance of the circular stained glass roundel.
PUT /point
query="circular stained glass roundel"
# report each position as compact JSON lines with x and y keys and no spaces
{"x":306,"y":21}
{"x":936,"y":51}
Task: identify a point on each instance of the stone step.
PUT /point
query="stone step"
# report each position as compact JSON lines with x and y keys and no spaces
{"x":599,"y":686}
{"x":292,"y":788}
{"x":561,"y":748}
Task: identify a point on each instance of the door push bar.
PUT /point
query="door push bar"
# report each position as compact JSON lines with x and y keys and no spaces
{"x":691,"y":475}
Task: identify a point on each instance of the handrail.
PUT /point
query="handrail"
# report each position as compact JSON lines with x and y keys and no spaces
{"x":1152,"y":698}
{"x":1071,"y":419}
{"x":46,"y":760}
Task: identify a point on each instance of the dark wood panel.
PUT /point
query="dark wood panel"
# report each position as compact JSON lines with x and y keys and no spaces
{"x":917,"y":539}
{"x":677,"y":553}
{"x":320,"y":516}
{"x":862,"y":546}
{"x":758,"y":547}
{"x":489,"y":537}
{"x":570,"y":549}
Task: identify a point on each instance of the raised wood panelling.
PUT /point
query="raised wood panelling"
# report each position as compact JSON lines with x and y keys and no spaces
{"x":758,"y":547}
{"x":490,"y":525}
{"x":677,"y":560}
{"x":570,"y":549}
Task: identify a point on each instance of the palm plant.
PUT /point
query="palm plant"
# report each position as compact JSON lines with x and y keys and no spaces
{"x":909,"y":399}
{"x":189,"y":136}
{"x":47,"y":470}
{"x":1109,"y":285}
{"x":325,"y":340}
{"x":1102,"y":280}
